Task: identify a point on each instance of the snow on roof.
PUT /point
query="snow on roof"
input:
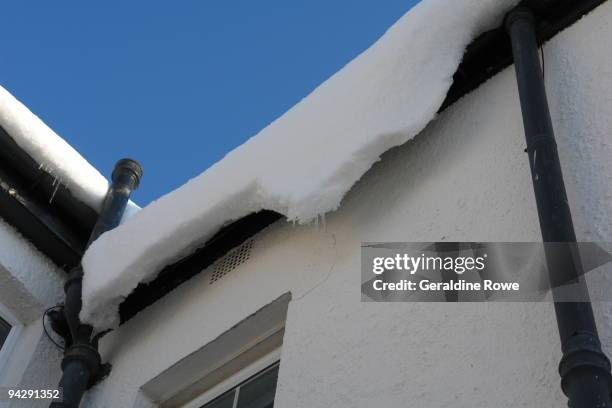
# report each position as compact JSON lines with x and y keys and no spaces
{"x":52,"y":152}
{"x":302,"y":164}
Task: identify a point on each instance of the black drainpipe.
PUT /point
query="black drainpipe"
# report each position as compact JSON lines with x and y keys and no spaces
{"x":584,"y":368}
{"x":82,"y":365}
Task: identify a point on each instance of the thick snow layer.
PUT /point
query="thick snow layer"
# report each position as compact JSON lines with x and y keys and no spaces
{"x":54,"y":155}
{"x":306,"y":161}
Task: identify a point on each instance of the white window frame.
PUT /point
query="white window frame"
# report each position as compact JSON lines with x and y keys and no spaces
{"x":11,"y":339}
{"x":235,"y":380}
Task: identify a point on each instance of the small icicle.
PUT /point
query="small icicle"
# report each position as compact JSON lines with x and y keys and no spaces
{"x":56,"y":184}
{"x":324,"y":222}
{"x":316,"y":222}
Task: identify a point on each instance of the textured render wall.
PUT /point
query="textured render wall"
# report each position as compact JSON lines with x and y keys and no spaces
{"x":465,"y":177}
{"x":580,"y":94}
{"x":22,"y":288}
{"x":29,"y":283}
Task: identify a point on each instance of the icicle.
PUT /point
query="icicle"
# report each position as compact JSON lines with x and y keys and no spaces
{"x":57,"y":185}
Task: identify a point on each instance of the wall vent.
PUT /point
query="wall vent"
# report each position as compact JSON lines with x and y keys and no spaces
{"x":231,"y":261}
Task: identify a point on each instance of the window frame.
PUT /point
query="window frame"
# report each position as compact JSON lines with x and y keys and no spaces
{"x":11,"y":339}
{"x":237,"y":379}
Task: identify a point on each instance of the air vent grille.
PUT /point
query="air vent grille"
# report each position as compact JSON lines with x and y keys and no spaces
{"x":231,"y":261}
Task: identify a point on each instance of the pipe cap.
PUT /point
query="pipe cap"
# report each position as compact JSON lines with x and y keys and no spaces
{"x":128,"y":165}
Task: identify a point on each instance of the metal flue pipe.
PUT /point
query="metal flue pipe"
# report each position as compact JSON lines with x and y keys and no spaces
{"x":584,"y":368}
{"x":82,"y":365}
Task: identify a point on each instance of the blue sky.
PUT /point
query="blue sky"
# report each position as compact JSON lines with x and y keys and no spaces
{"x":176,"y":84}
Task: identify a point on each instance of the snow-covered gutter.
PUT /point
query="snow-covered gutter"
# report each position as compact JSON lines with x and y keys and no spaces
{"x":49,"y":192}
{"x":54,"y":154}
{"x":484,"y":57}
{"x":302,"y":164}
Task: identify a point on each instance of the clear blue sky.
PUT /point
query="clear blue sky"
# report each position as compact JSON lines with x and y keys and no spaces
{"x":176,"y":84}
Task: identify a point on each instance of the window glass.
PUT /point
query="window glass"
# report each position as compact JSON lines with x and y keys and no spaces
{"x":5,"y":328}
{"x":259,"y":393}
{"x":256,"y":392}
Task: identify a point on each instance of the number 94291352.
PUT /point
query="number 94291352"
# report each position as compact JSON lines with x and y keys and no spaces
{"x":25,"y":393}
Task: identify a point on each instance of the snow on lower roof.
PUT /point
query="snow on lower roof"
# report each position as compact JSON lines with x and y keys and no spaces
{"x":302,"y":164}
{"x":53,"y":153}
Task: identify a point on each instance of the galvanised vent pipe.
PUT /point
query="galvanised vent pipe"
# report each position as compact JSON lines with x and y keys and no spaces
{"x":584,"y":368}
{"x":82,"y":365}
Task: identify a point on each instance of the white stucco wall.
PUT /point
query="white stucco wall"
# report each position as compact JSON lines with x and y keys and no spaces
{"x":29,"y":283}
{"x":465,"y":178}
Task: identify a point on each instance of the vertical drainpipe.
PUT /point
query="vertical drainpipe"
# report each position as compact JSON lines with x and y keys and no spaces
{"x":82,"y":365}
{"x":584,"y":368}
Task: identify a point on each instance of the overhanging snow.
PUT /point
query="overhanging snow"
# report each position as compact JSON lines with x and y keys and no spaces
{"x":302,"y":164}
{"x":54,"y":155}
